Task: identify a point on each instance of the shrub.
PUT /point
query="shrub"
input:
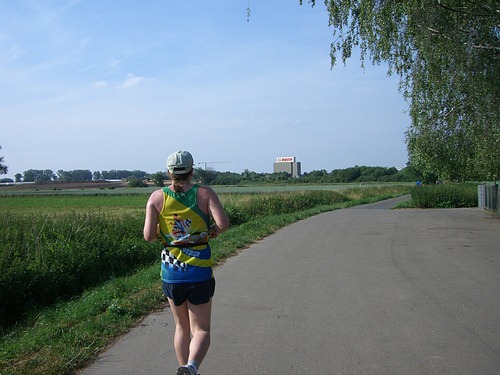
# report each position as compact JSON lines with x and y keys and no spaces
{"x":444,"y":196}
{"x":136,"y":182}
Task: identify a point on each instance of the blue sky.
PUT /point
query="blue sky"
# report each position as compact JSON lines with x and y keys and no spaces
{"x":104,"y":85}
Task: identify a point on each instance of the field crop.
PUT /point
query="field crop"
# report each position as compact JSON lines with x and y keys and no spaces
{"x":63,"y":203}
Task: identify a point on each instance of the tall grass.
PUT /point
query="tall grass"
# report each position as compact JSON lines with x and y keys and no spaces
{"x":46,"y":258}
{"x":241,"y":209}
{"x":444,"y":196}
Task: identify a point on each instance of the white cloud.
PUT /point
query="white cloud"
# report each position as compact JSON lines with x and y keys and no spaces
{"x":131,"y":81}
{"x":100,"y":84}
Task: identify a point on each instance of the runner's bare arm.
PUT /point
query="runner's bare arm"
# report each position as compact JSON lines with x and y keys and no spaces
{"x":153,"y":208}
{"x":216,"y":211}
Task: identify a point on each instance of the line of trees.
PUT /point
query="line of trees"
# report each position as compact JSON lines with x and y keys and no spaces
{"x":77,"y":175}
{"x":348,"y":175}
{"x":137,"y":178}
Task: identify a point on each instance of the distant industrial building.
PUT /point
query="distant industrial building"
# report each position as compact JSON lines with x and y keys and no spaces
{"x":287,"y":164}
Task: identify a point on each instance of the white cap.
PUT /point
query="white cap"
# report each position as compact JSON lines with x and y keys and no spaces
{"x":180,"y":162}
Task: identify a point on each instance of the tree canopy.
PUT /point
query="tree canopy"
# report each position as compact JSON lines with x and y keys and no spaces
{"x":447,"y":54}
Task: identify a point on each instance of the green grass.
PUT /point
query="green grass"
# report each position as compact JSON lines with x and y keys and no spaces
{"x":58,"y":203}
{"x":67,"y":336}
{"x":45,"y":258}
{"x":47,"y":191}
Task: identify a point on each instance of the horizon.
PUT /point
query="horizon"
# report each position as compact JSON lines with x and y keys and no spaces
{"x":399,"y":168}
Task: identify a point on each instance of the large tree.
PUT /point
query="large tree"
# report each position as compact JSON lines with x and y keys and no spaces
{"x":447,"y":54}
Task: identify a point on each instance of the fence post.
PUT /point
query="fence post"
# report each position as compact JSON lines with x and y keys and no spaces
{"x":494,"y":193}
{"x":481,"y":199}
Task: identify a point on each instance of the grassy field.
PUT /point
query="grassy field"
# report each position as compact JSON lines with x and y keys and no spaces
{"x":66,"y":203}
{"x":45,"y":199}
{"x":50,"y":189}
{"x":66,"y":335}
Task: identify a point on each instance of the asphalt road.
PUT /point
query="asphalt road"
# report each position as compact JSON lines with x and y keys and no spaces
{"x":367,"y":290}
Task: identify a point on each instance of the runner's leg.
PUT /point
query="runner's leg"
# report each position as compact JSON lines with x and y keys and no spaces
{"x":182,"y":336}
{"x":199,"y":317}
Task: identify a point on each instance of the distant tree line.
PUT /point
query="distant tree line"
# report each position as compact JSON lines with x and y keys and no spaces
{"x":137,"y":178}
{"x":348,"y":175}
{"x":77,"y":175}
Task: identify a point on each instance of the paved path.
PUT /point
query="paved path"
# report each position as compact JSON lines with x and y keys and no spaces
{"x":366,"y":290}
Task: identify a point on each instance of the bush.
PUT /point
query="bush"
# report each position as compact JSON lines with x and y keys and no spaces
{"x":444,"y":196}
{"x":136,"y":182}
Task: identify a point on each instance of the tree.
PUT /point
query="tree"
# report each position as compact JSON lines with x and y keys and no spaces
{"x":207,"y":176}
{"x":78,"y":175}
{"x":447,"y":54}
{"x":3,"y":168}
{"x":96,"y":175}
{"x":38,"y":175}
{"x":133,"y":181}
{"x":158,"y":178}
{"x":228,"y":178}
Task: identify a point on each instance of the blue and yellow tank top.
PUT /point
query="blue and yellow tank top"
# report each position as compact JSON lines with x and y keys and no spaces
{"x":186,"y":256}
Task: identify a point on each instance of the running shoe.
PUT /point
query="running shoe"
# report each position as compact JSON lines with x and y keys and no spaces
{"x":186,"y":370}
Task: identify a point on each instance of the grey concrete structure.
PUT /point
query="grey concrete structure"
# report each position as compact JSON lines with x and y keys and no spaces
{"x":292,"y":168}
{"x":287,"y":164}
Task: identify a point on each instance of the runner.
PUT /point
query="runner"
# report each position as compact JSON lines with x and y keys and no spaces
{"x":179,"y":216}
